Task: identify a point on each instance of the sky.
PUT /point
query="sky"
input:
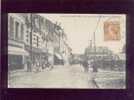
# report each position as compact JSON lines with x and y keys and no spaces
{"x":80,"y":28}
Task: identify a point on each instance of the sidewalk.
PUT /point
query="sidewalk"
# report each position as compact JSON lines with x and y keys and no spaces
{"x":67,"y":77}
{"x":58,"y":77}
{"x":110,"y":79}
{"x":21,"y":72}
{"x":15,"y":73}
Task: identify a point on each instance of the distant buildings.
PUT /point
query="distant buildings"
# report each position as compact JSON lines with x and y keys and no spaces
{"x":98,"y":52}
{"x":106,"y":59}
{"x":31,"y":36}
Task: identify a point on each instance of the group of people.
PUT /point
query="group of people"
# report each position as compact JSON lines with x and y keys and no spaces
{"x":89,"y":63}
{"x":38,"y":65}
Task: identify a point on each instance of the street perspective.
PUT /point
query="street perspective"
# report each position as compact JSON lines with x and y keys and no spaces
{"x":70,"y":51}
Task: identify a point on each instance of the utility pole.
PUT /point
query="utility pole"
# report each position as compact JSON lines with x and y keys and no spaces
{"x":46,"y":39}
{"x":59,"y":42}
{"x":94,"y":37}
{"x":94,"y":43}
{"x":94,"y":34}
{"x":31,"y":53}
{"x":60,"y":33}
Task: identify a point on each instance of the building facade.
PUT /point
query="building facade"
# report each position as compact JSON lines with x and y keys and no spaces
{"x":32,"y":37}
{"x":16,"y":33}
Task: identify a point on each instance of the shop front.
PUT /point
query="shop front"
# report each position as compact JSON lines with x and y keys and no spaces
{"x":58,"y":59}
{"x":16,"y":58}
{"x":39,"y":56}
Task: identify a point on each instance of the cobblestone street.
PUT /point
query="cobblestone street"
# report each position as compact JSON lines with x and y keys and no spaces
{"x":62,"y":77}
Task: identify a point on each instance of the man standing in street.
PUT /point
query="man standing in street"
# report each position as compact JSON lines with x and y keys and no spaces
{"x":85,"y":65}
{"x":29,"y":65}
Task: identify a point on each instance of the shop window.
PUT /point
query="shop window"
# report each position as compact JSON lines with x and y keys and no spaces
{"x":15,"y":62}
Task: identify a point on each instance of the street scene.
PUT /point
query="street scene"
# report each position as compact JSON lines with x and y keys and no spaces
{"x":77,"y":51}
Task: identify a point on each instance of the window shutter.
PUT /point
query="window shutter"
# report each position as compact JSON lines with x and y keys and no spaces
{"x":22,"y":32}
{"x":11,"y":27}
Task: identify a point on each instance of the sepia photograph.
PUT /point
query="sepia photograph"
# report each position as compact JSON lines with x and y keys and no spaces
{"x":70,"y":51}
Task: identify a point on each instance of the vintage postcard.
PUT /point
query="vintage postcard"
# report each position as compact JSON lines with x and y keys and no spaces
{"x":79,"y":51}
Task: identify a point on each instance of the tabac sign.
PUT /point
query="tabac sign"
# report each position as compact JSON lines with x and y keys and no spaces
{"x":112,"y":30}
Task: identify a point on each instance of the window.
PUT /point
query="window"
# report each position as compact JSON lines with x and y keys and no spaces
{"x":27,"y":40}
{"x":37,"y":41}
{"x":16,"y":30}
{"x":11,"y":27}
{"x":22,"y":32}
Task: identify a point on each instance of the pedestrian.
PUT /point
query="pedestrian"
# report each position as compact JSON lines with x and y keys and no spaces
{"x":43,"y":63}
{"x":80,"y":62}
{"x":94,"y":65}
{"x":29,"y":69}
{"x":85,"y":65}
{"x":50,"y":62}
{"x":37,"y":66}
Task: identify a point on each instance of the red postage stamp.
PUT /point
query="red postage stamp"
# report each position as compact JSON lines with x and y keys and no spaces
{"x":112,"y":30}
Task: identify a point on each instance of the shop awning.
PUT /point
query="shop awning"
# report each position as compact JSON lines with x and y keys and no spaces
{"x":58,"y":56}
{"x":44,"y":51}
{"x":36,"y":50}
{"x":17,"y":51}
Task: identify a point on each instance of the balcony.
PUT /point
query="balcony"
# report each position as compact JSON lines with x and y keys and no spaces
{"x":16,"y":43}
